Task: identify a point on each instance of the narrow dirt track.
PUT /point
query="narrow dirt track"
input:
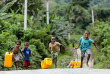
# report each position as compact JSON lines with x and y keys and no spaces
{"x":59,"y":71}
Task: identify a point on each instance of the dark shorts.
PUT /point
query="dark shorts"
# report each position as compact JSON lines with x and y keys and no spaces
{"x":26,"y":63}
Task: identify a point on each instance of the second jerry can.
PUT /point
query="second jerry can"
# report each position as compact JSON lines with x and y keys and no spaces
{"x":46,"y":63}
{"x":43,"y":65}
{"x":75,"y":64}
{"x":8,"y":59}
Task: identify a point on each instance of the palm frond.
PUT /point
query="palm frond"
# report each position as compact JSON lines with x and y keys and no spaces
{"x":7,"y":6}
{"x":5,"y":16}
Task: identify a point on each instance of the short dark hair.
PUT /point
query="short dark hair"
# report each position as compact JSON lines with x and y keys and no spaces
{"x":87,"y":31}
{"x":18,"y":42}
{"x":26,"y":43}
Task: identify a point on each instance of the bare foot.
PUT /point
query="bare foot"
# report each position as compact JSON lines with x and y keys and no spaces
{"x":55,"y":66}
{"x":81,"y":66}
{"x":87,"y":64}
{"x":17,"y":68}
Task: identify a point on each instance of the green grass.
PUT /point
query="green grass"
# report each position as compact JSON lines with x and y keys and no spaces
{"x":99,"y":66}
{"x":75,"y":38}
{"x":98,"y":56}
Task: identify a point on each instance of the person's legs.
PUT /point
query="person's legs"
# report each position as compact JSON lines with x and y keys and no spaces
{"x":53,"y":58}
{"x":88,"y":51}
{"x":16,"y":65}
{"x":26,"y":67}
{"x":55,"y":61}
{"x":25,"y":64}
{"x":81,"y":62}
{"x":82,"y":56}
{"x":88,"y":57}
{"x":16,"y":60}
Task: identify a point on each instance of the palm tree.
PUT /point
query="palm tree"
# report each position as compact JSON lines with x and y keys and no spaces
{"x":59,"y":27}
{"x":76,"y":13}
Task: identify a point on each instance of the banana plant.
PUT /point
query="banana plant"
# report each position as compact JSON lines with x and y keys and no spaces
{"x":7,"y":6}
{"x":59,"y":27}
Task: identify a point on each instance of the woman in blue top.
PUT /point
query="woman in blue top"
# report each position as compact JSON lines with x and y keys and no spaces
{"x":26,"y":53}
{"x":85,"y":46}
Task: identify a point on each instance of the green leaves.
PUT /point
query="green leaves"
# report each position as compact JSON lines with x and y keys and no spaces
{"x":4,"y":16}
{"x":35,"y":61}
{"x":76,"y":13}
{"x":40,"y":47}
{"x":102,"y":14}
{"x":7,"y":6}
{"x":38,"y":33}
{"x":100,"y":33}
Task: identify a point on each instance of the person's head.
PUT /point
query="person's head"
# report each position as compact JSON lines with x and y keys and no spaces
{"x":18,"y":43}
{"x":26,"y":45}
{"x":53,"y":39}
{"x":86,"y":33}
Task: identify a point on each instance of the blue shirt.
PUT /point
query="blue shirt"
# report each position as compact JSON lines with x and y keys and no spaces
{"x":26,"y":53}
{"x":85,"y":44}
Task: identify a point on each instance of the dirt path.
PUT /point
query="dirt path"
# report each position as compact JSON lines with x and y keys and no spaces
{"x":59,"y":71}
{"x":91,"y":61}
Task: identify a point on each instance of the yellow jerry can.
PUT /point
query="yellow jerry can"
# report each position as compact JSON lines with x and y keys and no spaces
{"x":75,"y":64}
{"x":8,"y":59}
{"x":46,"y":63}
{"x":43,"y":65}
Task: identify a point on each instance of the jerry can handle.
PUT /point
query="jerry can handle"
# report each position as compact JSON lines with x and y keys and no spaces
{"x":9,"y":52}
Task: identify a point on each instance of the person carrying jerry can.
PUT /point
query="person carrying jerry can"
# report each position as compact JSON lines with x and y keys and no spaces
{"x":16,"y":55}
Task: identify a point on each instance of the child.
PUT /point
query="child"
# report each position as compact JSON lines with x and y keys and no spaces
{"x":26,"y":53}
{"x":55,"y":49}
{"x":85,"y":46}
{"x":16,"y":51}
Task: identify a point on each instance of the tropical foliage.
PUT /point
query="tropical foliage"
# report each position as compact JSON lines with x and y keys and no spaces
{"x":66,"y":17}
{"x":100,"y":33}
{"x":38,"y":34}
{"x":100,"y":3}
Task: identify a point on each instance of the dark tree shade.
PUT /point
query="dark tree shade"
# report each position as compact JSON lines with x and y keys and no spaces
{"x":83,"y":3}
